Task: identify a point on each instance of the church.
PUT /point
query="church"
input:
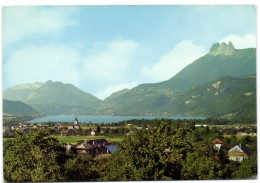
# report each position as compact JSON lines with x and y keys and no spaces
{"x":73,"y":126}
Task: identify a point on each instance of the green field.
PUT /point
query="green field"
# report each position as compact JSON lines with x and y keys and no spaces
{"x":75,"y":139}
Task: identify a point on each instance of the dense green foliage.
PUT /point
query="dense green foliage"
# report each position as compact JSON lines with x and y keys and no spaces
{"x":248,"y":168}
{"x":197,"y":167}
{"x":17,"y":108}
{"x":168,"y":150}
{"x":34,"y":157}
{"x":155,"y":154}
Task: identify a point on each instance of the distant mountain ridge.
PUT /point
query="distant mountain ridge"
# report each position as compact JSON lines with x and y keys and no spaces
{"x":53,"y":98}
{"x":176,"y":96}
{"x":17,"y":108}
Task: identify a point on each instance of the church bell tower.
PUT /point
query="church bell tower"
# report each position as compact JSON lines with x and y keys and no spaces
{"x":76,"y":121}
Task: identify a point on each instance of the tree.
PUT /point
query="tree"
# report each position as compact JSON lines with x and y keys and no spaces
{"x":98,"y":129}
{"x":34,"y":157}
{"x":233,"y":141}
{"x":193,"y":126}
{"x":247,"y":169}
{"x":153,"y":154}
{"x":84,"y":168}
{"x":207,"y":129}
{"x":196,"y":136}
{"x":246,"y":140}
{"x":197,"y":167}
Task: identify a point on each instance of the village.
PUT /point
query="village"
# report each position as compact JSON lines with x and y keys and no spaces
{"x":96,"y":141}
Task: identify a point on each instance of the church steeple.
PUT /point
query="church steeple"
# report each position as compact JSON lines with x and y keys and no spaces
{"x":76,"y":121}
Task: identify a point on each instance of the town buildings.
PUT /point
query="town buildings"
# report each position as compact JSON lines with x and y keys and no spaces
{"x":239,"y":152}
{"x":94,"y":147}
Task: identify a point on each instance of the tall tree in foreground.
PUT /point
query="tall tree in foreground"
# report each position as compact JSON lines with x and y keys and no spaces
{"x":153,"y":154}
{"x":247,"y":169}
{"x":34,"y":157}
{"x":197,"y":167}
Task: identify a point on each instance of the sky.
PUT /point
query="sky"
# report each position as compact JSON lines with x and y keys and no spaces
{"x":103,"y":49}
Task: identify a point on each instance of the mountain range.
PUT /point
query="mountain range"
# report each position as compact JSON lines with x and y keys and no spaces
{"x":221,"y":83}
{"x":17,"y":108}
{"x":53,"y":98}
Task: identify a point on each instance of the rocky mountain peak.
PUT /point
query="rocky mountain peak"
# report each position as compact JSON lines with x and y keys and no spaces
{"x":222,"y":49}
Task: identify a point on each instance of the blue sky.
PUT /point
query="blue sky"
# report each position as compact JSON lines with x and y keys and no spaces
{"x":103,"y":49}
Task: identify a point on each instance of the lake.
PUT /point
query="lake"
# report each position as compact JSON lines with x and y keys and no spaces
{"x":101,"y":119}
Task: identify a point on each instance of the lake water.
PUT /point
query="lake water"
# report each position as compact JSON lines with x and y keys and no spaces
{"x":101,"y":119}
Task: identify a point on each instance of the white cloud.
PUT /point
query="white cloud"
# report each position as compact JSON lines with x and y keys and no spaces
{"x":111,"y":61}
{"x":241,"y":41}
{"x":20,"y":21}
{"x":41,"y":63}
{"x":174,"y":61}
{"x":114,"y":88}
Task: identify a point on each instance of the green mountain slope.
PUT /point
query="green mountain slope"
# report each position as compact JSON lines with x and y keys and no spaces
{"x":221,"y":61}
{"x":209,"y":67}
{"x":17,"y":108}
{"x":116,"y":94}
{"x":21,"y":92}
{"x":226,"y":97}
{"x":54,"y":98}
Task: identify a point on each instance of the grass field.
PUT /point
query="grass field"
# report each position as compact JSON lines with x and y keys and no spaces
{"x":75,"y":139}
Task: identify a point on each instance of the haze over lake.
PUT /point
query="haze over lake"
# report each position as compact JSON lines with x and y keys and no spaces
{"x":102,"y":119}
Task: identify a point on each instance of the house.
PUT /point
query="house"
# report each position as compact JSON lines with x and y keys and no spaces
{"x":130,"y":133}
{"x":91,"y":143}
{"x":224,"y":127}
{"x":242,"y":127}
{"x":217,"y":143}
{"x":64,"y":132}
{"x":43,"y":127}
{"x":25,"y":130}
{"x":96,"y":147}
{"x":8,"y":133}
{"x":94,"y":151}
{"x":201,"y":125}
{"x":71,"y":147}
{"x":111,"y":148}
{"x":73,"y":126}
{"x":239,"y":152}
{"x":244,"y":134}
{"x":6,"y":128}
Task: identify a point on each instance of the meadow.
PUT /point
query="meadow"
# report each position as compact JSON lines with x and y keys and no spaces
{"x":75,"y":139}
